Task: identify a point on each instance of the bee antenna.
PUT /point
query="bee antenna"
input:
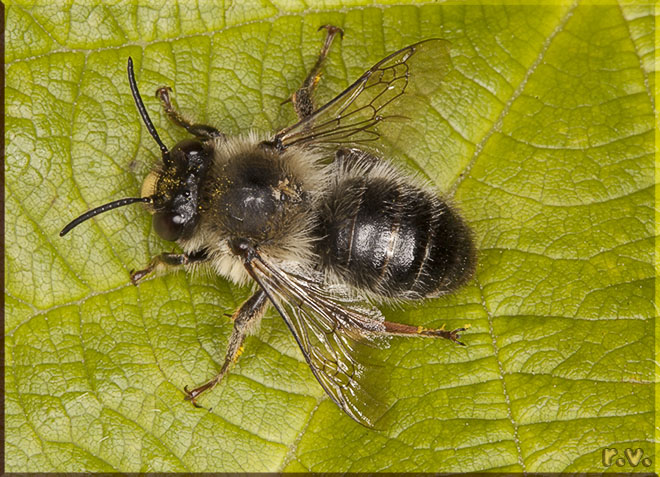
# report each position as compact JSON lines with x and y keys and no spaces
{"x":142,"y":110}
{"x":100,"y":209}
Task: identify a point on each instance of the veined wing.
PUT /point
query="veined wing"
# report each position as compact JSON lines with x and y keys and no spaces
{"x":380,"y":95}
{"x":331,"y":329}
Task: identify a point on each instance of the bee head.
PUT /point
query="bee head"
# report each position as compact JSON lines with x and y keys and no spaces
{"x":171,"y":191}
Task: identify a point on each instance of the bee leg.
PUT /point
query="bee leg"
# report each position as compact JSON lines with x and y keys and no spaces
{"x":245,"y":319}
{"x":399,"y":329}
{"x":168,"y":260}
{"x":200,"y":130}
{"x":302,"y":99}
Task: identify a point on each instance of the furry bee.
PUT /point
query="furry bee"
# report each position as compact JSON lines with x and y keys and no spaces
{"x":314,"y":217}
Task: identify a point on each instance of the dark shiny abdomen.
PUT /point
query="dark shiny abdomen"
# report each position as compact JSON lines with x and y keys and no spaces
{"x":394,"y":239}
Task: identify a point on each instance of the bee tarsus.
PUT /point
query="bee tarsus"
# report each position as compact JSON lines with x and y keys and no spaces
{"x":199,"y":130}
{"x":249,"y":314}
{"x":168,"y":260}
{"x":303,"y":102}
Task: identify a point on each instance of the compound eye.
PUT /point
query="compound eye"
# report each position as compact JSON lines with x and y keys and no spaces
{"x":187,"y":151}
{"x":190,"y":146}
{"x":169,"y":225}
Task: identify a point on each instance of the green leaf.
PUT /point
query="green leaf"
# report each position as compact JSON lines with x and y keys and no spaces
{"x":543,"y":136}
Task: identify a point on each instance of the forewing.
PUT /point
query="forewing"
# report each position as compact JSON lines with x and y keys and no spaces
{"x":392,"y":89}
{"x":332,"y":330}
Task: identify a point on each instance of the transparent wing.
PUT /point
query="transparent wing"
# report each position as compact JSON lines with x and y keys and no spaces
{"x":332,"y":330}
{"x":392,"y":89}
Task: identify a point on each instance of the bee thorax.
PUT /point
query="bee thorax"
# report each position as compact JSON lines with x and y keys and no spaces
{"x":253,"y":198}
{"x":259,"y":196}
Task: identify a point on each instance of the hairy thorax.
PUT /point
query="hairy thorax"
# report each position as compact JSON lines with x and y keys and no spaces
{"x":261,"y":196}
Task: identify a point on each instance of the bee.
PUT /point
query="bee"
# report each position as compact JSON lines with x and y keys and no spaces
{"x":321,"y":224}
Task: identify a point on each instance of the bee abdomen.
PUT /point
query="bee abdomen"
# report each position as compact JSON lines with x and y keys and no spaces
{"x":394,"y":239}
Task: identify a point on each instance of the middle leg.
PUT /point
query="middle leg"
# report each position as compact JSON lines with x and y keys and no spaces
{"x":245,"y":318}
{"x":302,"y":98}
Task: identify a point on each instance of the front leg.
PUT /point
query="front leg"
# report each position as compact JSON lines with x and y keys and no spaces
{"x":166,"y":261}
{"x":201,"y":131}
{"x":245,"y":319}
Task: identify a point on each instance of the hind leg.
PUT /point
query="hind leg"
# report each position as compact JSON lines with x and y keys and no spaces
{"x":399,"y":329}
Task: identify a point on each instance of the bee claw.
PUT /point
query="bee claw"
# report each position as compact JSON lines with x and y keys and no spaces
{"x":333,"y":30}
{"x":163,"y":90}
{"x":191,"y":396}
{"x":136,"y":277}
{"x":454,"y":335}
